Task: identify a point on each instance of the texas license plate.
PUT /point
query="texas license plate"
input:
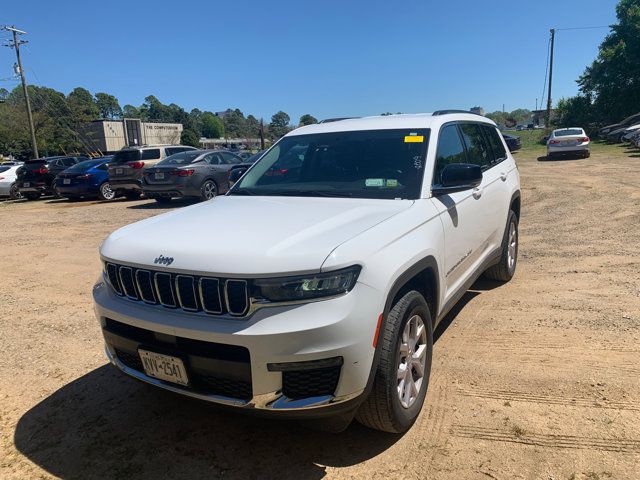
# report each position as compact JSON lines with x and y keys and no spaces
{"x":159,"y":176}
{"x":66,"y":181}
{"x":26,"y":184}
{"x":164,"y":367}
{"x":118,"y":171}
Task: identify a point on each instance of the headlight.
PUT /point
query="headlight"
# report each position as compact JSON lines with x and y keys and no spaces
{"x":304,"y":287}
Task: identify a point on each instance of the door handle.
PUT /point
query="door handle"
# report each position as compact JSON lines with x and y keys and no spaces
{"x":477,"y":193}
{"x":503,"y":176}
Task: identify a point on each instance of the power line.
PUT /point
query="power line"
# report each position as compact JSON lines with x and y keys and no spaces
{"x":582,"y":28}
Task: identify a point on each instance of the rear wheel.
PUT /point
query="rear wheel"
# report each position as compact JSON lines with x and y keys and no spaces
{"x":105,"y":192}
{"x":14,"y":192}
{"x":208,"y":190}
{"x":402,"y":376}
{"x":587,"y":154}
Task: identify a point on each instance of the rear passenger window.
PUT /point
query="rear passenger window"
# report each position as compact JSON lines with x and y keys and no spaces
{"x":230,"y":158}
{"x":450,"y":150}
{"x":68,"y":162}
{"x":499,"y":152}
{"x":477,"y":149}
{"x":151,"y":154}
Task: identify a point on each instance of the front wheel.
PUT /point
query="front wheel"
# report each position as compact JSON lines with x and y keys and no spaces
{"x":503,"y":270}
{"x":208,"y":190}
{"x":105,"y":192}
{"x":402,"y":375}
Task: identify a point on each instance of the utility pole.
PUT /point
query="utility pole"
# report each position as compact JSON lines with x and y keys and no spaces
{"x":553,"y":38}
{"x":16,"y":44}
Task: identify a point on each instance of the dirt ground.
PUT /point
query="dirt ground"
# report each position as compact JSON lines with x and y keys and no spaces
{"x":536,"y":379}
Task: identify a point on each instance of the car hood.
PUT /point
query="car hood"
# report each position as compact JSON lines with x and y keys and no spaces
{"x":245,"y":236}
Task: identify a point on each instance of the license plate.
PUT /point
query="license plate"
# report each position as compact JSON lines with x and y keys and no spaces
{"x":164,"y":367}
{"x":119,"y":171}
{"x":66,"y":181}
{"x":159,"y":176}
{"x":26,"y":184}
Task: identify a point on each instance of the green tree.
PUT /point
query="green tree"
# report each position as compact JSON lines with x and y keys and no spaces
{"x":82,"y":105}
{"x":307,"y":119}
{"x":108,"y":106}
{"x":235,"y":125}
{"x":189,"y":137}
{"x":613,"y":79}
{"x":578,"y":110}
{"x":129,"y":111}
{"x":253,"y":127}
{"x":4,"y":93}
{"x":212,"y":126}
{"x":279,"y":125}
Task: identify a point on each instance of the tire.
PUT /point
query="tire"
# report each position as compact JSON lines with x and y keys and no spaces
{"x":503,"y":270}
{"x":383,"y":408}
{"x":587,"y":154}
{"x":132,"y":195}
{"x":163,"y":200}
{"x":32,"y":196}
{"x":105,"y":193}
{"x":208,"y":190}
{"x":14,"y":192}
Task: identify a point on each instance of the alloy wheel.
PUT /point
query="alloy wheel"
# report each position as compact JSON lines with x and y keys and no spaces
{"x":412,"y":361}
{"x":107,"y":192}
{"x":209,"y":190}
{"x":512,"y":246}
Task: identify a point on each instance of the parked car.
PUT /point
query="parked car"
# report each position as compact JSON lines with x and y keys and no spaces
{"x":627,"y":122}
{"x":315,"y":292}
{"x":630,"y":132}
{"x":243,"y":154}
{"x":10,"y":163}
{"x":195,"y":173}
{"x":514,"y":143}
{"x":568,"y":141}
{"x":255,"y":157}
{"x":8,"y":185}
{"x":88,"y":179}
{"x":520,"y":128}
{"x":36,"y":177}
{"x":127,"y":166}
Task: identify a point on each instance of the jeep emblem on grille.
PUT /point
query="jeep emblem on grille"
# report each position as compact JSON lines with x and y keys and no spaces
{"x":162,"y":260}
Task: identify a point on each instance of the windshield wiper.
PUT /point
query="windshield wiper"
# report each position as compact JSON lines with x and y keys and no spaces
{"x":310,"y":193}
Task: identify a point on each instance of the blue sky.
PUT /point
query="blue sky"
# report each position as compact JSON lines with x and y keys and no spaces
{"x":329,"y":58}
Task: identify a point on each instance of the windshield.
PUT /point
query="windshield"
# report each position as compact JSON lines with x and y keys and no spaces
{"x":568,"y":132}
{"x":182,"y":158}
{"x":84,"y":166}
{"x":386,"y":164}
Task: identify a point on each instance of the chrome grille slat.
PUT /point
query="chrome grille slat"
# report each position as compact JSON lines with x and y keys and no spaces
{"x":236,"y":297}
{"x":210,"y":298}
{"x":187,"y":297}
{"x":128,"y":283}
{"x":161,"y":287}
{"x":191,"y":293}
{"x":145,"y":286}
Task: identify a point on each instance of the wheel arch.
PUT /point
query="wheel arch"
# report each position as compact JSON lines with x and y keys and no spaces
{"x":515,"y":204}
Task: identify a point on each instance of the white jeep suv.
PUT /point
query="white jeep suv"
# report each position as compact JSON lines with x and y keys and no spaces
{"x":312,"y":289}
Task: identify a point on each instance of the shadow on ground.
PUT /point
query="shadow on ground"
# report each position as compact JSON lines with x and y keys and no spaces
{"x":107,"y":425}
{"x":175,"y":203}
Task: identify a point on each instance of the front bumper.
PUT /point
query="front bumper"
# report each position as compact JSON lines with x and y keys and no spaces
{"x":341,"y":327}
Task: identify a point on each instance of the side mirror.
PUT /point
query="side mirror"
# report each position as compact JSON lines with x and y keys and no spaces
{"x":235,"y":175}
{"x":457,"y":177}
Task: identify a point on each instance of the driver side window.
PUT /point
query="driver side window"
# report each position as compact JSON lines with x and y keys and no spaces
{"x":450,"y":150}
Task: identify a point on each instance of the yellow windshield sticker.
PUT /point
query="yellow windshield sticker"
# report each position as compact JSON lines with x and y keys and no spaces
{"x":414,"y":139}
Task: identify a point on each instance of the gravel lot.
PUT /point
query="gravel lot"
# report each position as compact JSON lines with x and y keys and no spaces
{"x":537,"y":379}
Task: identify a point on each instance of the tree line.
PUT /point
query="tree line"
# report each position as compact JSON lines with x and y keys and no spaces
{"x":610,"y":86}
{"x":59,"y":120}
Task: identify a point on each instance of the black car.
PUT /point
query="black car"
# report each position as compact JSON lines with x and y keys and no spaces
{"x":196,"y":173}
{"x":36,"y":177}
{"x":514,"y":143}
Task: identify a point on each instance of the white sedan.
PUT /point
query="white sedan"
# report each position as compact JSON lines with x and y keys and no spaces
{"x":568,"y":141}
{"x":8,"y":186}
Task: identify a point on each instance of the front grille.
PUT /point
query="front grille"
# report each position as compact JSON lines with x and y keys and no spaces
{"x":191,"y":293}
{"x":310,"y":383}
{"x":213,"y":368}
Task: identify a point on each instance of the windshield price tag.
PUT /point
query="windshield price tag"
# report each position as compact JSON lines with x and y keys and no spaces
{"x":374,"y":182}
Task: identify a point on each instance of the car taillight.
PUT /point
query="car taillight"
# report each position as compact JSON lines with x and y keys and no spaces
{"x":583,"y":139}
{"x":276,"y":172}
{"x":86,"y":176}
{"x":42,"y":170}
{"x":136,"y":165}
{"x":182,"y":173}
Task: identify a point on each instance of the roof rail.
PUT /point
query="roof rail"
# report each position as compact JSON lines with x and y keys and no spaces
{"x":445,"y":112}
{"x":329,"y":120}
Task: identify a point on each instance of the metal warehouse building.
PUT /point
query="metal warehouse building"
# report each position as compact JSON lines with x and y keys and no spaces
{"x":108,"y":136}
